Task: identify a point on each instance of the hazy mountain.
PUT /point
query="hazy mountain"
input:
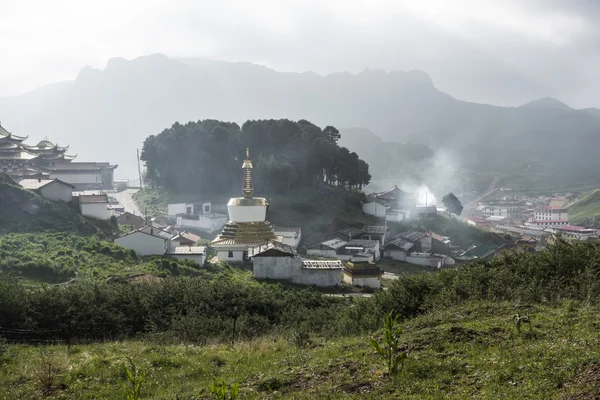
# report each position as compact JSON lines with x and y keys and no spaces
{"x":106,"y":115}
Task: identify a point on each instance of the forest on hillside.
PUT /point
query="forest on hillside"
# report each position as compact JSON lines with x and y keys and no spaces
{"x":206,"y":156}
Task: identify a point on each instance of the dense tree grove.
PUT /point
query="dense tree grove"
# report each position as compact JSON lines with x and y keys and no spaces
{"x":205,"y":156}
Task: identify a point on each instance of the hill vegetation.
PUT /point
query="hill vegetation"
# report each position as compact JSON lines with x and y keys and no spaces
{"x":24,"y":211}
{"x":207,"y":156}
{"x":458,"y":325}
{"x":585,"y":209}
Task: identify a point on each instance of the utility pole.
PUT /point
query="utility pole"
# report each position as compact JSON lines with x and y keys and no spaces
{"x":139,"y":169}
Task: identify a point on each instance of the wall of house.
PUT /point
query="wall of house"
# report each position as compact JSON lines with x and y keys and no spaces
{"x":434,"y":262}
{"x":426,"y":243}
{"x":394,"y":217}
{"x":321,"y":277}
{"x":399,"y":255}
{"x":439,"y":247}
{"x":374,"y":208}
{"x":289,"y":239}
{"x":223,"y":255}
{"x":174,"y":209}
{"x":208,"y":223}
{"x":198,"y":258}
{"x":371,"y":282}
{"x":143,"y":244}
{"x":78,"y":178}
{"x":57,"y":191}
{"x":96,"y":210}
{"x":128,"y":219}
{"x":287,"y":268}
{"x":322,"y":253}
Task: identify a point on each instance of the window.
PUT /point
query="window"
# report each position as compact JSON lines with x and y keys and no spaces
{"x":188,"y":210}
{"x":230,"y":254}
{"x":207,"y":208}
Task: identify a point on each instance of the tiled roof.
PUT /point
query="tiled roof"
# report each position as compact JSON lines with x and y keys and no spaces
{"x":333,"y":243}
{"x":412,"y":236}
{"x":399,"y":243}
{"x":477,"y":220}
{"x":33,"y":184}
{"x":287,"y":229}
{"x":187,"y":235}
{"x":245,"y":233}
{"x":375,"y":229}
{"x":272,"y":245}
{"x":438,"y":237}
{"x":574,"y":228}
{"x":362,"y":243}
{"x":186,"y":250}
{"x":322,"y":264}
{"x":93,"y":199}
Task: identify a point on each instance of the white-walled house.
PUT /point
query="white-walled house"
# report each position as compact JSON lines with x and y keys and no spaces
{"x":94,"y":206}
{"x":398,"y":249}
{"x":327,"y":248}
{"x":275,"y":260}
{"x":196,"y":215}
{"x":146,"y":241}
{"x":363,"y":274}
{"x":290,"y":235}
{"x":193,"y":253}
{"x":53,"y":189}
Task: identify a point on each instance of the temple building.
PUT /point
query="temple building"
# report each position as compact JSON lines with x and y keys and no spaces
{"x":248,"y":226}
{"x":47,"y":160}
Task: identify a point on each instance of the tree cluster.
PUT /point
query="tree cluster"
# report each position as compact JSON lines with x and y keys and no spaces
{"x":206,"y":157}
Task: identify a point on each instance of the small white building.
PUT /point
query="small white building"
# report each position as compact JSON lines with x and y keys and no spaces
{"x":576,"y":232}
{"x":549,"y":217}
{"x":53,"y":189}
{"x":94,"y":206}
{"x":275,"y":260}
{"x":193,"y":253}
{"x":363,"y":274}
{"x":327,"y":248}
{"x":422,"y":241}
{"x":290,"y":235}
{"x":398,"y":249}
{"x":146,"y":241}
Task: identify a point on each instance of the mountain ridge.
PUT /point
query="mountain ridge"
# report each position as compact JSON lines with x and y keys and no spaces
{"x":106,"y":114}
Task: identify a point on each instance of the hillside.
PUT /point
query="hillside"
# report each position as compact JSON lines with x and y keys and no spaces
{"x":107,"y":114}
{"x":586,"y":206}
{"x":24,"y":211}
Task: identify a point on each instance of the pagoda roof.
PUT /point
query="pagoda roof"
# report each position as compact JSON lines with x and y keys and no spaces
{"x":4,"y":134}
{"x":245,"y":233}
{"x":272,"y":249}
{"x":22,"y":155}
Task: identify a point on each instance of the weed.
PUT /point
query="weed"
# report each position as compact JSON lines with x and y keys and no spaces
{"x":49,"y":371}
{"x":520,"y":321}
{"x":223,"y":392}
{"x":390,"y":352}
{"x":135,"y":377}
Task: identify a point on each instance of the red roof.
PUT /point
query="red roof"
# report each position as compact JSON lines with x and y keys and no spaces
{"x":550,"y":221}
{"x":575,"y":228}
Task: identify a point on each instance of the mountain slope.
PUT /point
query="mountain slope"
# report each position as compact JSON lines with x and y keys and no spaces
{"x":105,"y":115}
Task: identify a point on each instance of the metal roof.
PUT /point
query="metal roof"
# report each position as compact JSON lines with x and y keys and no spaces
{"x":332,"y":243}
{"x":412,"y":236}
{"x":375,"y":229}
{"x":272,"y":245}
{"x":186,"y":250}
{"x":362,"y":243}
{"x":93,"y":199}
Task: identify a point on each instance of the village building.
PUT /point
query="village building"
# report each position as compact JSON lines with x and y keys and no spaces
{"x":201,"y":216}
{"x":328,"y":248}
{"x":558,"y":202}
{"x":248,"y":226}
{"x":367,"y":232}
{"x":185,"y":238}
{"x":549,"y":217}
{"x":398,"y":249}
{"x":290,"y":235}
{"x":439,"y":243}
{"x":576,"y":232}
{"x":279,"y":261}
{"x":53,"y":189}
{"x":394,"y":205}
{"x":479,"y":222}
{"x":192,"y":253}
{"x":94,"y":206}
{"x":127,"y":218}
{"x":47,"y":160}
{"x":515,"y":232}
{"x":146,"y":241}
{"x":363,"y":274}
{"x":421,"y":240}
{"x":359,"y":250}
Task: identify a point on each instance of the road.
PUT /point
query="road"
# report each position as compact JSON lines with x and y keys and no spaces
{"x":126,"y":199}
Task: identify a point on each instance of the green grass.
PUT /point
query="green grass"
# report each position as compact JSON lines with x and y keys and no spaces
{"x":585,"y":206}
{"x":469,"y":351}
{"x":404,"y":268}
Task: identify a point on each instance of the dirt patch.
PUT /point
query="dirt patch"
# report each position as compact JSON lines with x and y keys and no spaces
{"x":357,"y":387}
{"x":585,"y":385}
{"x":459,"y":334}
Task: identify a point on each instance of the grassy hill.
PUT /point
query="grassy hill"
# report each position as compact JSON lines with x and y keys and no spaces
{"x":468,"y":351}
{"x":585,"y":206}
{"x":24,"y":211}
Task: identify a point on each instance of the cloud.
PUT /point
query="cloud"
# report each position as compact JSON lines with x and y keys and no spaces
{"x":502,"y":52}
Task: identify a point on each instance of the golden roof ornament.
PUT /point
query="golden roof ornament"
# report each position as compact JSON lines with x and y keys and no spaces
{"x":247,"y":190}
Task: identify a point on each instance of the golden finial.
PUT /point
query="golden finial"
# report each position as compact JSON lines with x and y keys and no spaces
{"x":247,"y":153}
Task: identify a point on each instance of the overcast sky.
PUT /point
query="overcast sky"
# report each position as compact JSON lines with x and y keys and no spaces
{"x":501,"y":52}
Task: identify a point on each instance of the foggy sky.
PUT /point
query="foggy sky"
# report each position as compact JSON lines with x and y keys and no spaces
{"x":503,"y":52}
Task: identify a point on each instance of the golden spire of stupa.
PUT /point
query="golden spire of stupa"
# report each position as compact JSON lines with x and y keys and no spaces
{"x":247,"y":190}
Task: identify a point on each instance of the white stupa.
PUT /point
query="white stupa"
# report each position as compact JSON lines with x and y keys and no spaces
{"x":248,"y":226}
